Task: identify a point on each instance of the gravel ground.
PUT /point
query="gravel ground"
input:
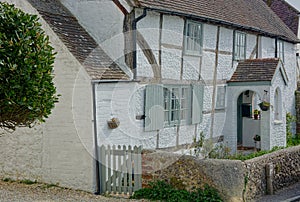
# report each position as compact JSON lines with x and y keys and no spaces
{"x":15,"y":191}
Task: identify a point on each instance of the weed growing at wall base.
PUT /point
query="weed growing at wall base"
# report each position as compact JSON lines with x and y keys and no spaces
{"x":244,"y":157}
{"x":162,"y":191}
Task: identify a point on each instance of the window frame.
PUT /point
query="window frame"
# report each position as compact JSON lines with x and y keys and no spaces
{"x":173,"y":106}
{"x":197,"y":49}
{"x":280,"y":50}
{"x":155,"y":105}
{"x":239,"y":46}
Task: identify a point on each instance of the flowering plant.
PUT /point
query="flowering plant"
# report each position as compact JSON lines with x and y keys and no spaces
{"x":256,"y":138}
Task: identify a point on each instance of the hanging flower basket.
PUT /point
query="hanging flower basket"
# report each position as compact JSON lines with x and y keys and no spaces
{"x":256,"y":138}
{"x":113,"y":123}
{"x":264,"y":106}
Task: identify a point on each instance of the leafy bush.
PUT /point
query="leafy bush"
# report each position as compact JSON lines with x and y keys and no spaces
{"x":27,"y":92}
{"x":244,"y":157}
{"x":160,"y":190}
{"x":291,"y":140}
{"x":207,"y":149}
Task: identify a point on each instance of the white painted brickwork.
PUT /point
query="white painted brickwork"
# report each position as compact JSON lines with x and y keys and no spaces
{"x":59,"y":151}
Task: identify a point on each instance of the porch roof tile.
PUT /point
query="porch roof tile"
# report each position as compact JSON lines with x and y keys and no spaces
{"x":253,"y":70}
{"x":97,"y":63}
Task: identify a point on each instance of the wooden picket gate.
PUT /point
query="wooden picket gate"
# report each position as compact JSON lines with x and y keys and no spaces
{"x":120,"y":169}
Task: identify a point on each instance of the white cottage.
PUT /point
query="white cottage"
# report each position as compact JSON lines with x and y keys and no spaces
{"x":165,"y":71}
{"x":181,"y":59}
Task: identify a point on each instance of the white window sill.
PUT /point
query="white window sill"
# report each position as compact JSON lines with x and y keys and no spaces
{"x":278,"y":122}
{"x":192,"y":54}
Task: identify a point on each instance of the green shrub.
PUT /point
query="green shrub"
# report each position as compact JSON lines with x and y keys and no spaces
{"x":27,"y":91}
{"x":29,"y":182}
{"x":244,"y":157}
{"x":162,"y":191}
{"x":291,"y":140}
{"x":8,"y":180}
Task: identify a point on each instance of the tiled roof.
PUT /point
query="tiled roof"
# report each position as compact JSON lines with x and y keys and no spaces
{"x":253,"y":15}
{"x":253,"y":70}
{"x":85,"y":49}
{"x":287,"y":13}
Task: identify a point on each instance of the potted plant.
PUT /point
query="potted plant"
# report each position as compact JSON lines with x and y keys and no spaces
{"x":264,"y":106}
{"x":256,"y":114}
{"x":256,"y":139}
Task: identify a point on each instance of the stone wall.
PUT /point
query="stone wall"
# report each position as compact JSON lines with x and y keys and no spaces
{"x":234,"y":179}
{"x":286,"y":171}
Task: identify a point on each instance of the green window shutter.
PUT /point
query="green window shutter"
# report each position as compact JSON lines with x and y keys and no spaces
{"x":154,"y":109}
{"x":197,"y":103}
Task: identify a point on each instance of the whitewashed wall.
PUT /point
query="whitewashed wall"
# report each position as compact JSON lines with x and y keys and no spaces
{"x":290,"y":65}
{"x":125,"y":101}
{"x":267,"y":47}
{"x":171,"y":55}
{"x":60,"y":150}
{"x":278,"y":127}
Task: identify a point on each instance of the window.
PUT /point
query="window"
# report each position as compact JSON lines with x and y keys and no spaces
{"x":171,"y":105}
{"x":193,"y":38}
{"x":221,"y":91}
{"x":176,"y":105}
{"x":277,"y":103}
{"x":239,"y":46}
{"x":280,"y":50}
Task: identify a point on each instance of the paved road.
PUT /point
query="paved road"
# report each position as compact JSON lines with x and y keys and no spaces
{"x":14,"y":191}
{"x":289,"y":194}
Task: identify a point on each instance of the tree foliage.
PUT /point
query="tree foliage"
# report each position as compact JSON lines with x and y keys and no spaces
{"x":27,"y":91}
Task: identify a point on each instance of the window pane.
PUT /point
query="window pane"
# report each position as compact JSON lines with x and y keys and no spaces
{"x":239,"y":46}
{"x":280,"y":50}
{"x":175,"y":92}
{"x":176,"y":105}
{"x":166,"y":114}
{"x":184,"y":104}
{"x":182,"y":115}
{"x":166,"y":106}
{"x":193,"y":37}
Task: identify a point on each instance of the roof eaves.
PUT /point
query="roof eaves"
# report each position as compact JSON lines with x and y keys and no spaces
{"x":281,"y":69}
{"x":219,"y":21}
{"x":249,"y":83}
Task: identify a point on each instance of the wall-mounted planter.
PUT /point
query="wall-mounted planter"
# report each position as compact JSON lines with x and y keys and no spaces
{"x":113,"y":123}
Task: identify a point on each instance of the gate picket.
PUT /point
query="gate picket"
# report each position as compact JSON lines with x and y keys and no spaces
{"x":120,"y":169}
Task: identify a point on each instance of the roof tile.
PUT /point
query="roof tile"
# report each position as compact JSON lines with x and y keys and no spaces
{"x":246,"y":14}
{"x":253,"y":70}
